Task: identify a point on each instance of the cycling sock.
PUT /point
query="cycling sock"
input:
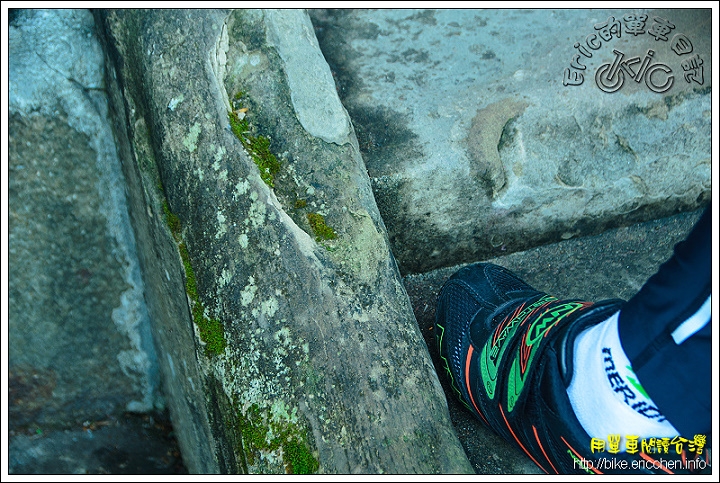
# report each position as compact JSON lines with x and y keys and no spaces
{"x":605,"y":393}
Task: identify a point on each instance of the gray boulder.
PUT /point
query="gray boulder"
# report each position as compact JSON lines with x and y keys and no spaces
{"x":288,"y":340}
{"x":491,"y":131}
{"x":80,"y":347}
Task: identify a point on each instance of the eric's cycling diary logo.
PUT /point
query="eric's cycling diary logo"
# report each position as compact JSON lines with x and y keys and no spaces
{"x":658,"y":73}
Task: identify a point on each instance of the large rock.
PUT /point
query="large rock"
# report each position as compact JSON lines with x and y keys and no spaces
{"x":80,"y":348}
{"x":288,"y":340}
{"x":486,"y":131}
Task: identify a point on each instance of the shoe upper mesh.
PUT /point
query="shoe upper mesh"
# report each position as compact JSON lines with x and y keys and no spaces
{"x":504,"y":281}
{"x":461,"y":308}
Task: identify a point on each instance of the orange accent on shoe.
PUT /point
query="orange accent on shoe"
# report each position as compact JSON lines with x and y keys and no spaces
{"x":537,"y":438}
{"x":467,"y":385}
{"x":501,"y":325}
{"x":595,"y":470}
{"x":502,"y":413}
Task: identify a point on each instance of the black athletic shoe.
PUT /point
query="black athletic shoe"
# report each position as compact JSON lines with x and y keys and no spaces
{"x":508,"y":350}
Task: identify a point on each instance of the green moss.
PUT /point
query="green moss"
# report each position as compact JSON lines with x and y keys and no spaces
{"x":253,"y":433}
{"x":257,"y":146}
{"x":212,"y":332}
{"x":259,"y":149}
{"x":240,"y":127}
{"x":299,"y":458}
{"x":190,"y":283}
{"x":320,"y":228}
{"x":172,"y":221}
{"x":260,"y":435}
{"x":266,"y":161}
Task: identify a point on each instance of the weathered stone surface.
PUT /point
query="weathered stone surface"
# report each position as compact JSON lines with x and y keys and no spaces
{"x":130,"y":444}
{"x":55,"y":416}
{"x":285,"y":351}
{"x":474,"y":145}
{"x":79,"y":339}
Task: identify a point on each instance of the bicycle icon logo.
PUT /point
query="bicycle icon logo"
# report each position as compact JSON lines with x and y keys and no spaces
{"x":658,"y":77}
{"x":610,"y":77}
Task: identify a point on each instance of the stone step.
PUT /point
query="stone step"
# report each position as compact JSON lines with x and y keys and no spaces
{"x":489,"y":131}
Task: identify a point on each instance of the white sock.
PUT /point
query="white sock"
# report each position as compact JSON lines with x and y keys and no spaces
{"x":605,"y":393}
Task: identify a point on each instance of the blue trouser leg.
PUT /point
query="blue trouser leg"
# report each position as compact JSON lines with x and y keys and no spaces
{"x":677,"y":377}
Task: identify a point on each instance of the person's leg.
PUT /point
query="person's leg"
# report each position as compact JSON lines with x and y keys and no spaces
{"x":665,"y":331}
{"x":659,"y":340}
{"x":510,"y":352}
{"x":606,"y":395}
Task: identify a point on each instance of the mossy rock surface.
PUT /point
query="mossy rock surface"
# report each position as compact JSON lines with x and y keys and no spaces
{"x":292,"y":346}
